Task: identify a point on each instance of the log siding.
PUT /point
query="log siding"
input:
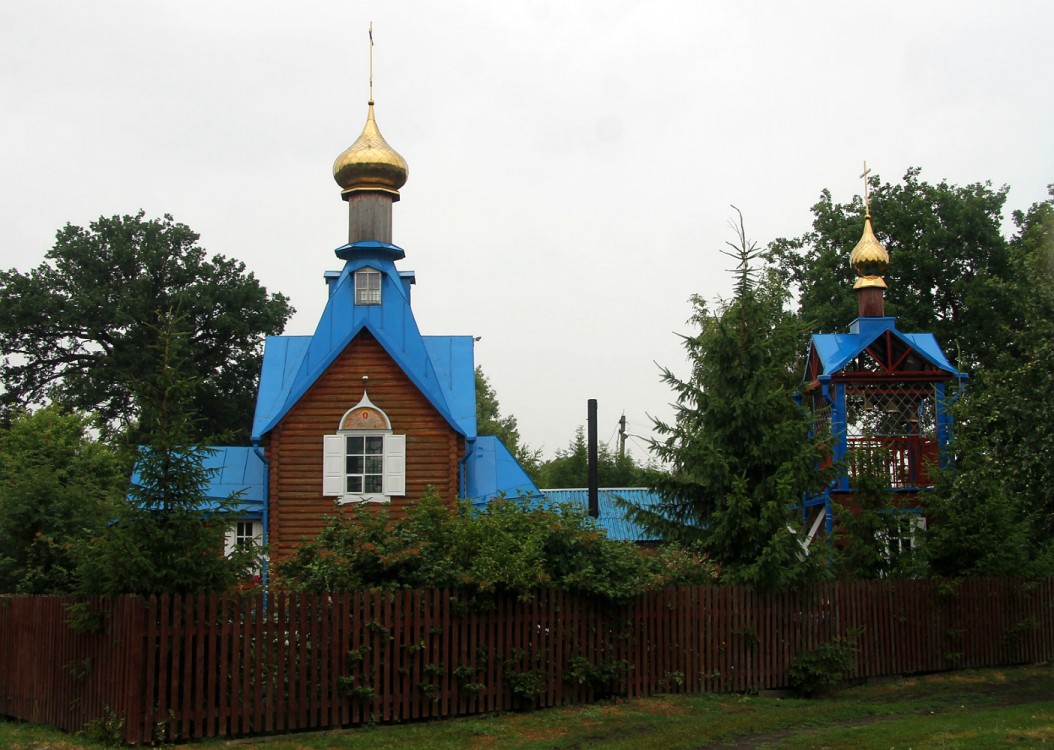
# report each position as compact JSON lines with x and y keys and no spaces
{"x":294,"y":447}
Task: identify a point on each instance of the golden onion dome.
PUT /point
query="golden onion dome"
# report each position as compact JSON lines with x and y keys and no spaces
{"x":869,"y":258}
{"x":370,"y":163}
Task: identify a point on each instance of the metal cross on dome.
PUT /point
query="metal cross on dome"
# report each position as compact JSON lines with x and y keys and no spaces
{"x":863,"y":176}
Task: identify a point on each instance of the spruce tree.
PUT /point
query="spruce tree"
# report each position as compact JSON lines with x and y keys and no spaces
{"x":169,"y":537}
{"x":738,"y":450}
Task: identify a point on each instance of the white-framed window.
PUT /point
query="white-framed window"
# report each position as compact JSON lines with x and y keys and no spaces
{"x":367,"y":287}
{"x":905,"y":535}
{"x":242,"y":533}
{"x":364,"y":461}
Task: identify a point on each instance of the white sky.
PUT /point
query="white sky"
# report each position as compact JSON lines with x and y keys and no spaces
{"x":571,"y":163}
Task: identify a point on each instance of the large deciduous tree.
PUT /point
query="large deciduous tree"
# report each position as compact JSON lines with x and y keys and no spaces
{"x":948,"y":263}
{"x":994,"y":513}
{"x":78,"y":329}
{"x":57,"y":485}
{"x":739,"y":450}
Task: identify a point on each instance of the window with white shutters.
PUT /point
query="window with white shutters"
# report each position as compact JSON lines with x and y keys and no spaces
{"x":367,"y":464}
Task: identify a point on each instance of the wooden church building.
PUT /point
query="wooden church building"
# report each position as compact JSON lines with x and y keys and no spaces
{"x":367,"y":409}
{"x":883,"y":396}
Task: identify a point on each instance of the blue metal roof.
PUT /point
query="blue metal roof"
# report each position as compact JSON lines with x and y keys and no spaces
{"x":232,"y":469}
{"x":491,"y":471}
{"x":612,"y":517}
{"x":453,"y":361}
{"x":836,"y":350}
{"x":442,"y":367}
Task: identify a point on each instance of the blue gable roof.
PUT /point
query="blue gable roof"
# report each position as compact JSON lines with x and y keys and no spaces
{"x":442,"y":367}
{"x":836,"y":350}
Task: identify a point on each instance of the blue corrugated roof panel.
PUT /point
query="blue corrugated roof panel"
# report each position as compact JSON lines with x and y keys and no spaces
{"x":612,"y":516}
{"x":281,"y":361}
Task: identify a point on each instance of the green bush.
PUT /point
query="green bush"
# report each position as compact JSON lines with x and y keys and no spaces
{"x":508,"y":546}
{"x":815,"y":672}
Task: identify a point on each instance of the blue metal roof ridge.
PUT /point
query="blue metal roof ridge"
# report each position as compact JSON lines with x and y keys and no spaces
{"x":370,"y":248}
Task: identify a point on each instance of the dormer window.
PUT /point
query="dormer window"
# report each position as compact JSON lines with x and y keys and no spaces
{"x":367,"y":287}
{"x":364,"y":461}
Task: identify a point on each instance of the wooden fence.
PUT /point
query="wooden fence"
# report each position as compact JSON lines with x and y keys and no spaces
{"x":190,"y":667}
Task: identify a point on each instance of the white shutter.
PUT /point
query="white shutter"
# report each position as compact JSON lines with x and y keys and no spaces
{"x":395,"y":464}
{"x":229,"y":539}
{"x":333,"y":473}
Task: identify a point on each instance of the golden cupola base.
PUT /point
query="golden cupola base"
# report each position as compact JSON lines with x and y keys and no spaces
{"x":370,"y":173}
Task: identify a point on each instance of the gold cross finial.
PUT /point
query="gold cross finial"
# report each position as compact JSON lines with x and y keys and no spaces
{"x":863,"y":176}
{"x":371,"y":62}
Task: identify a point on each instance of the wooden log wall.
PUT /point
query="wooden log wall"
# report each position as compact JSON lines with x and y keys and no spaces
{"x":193,"y":667}
{"x":294,"y":447}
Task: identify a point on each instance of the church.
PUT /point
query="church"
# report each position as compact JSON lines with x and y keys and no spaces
{"x":367,"y":409}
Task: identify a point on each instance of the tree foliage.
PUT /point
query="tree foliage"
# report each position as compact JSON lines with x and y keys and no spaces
{"x":994,"y":512}
{"x":169,"y":536}
{"x":57,"y":485}
{"x":738,"y":448}
{"x":509,"y":546}
{"x":78,"y":329}
{"x":872,"y":535}
{"x":949,"y":263}
{"x":989,"y":300}
{"x":490,"y":421}
{"x":570,"y":467}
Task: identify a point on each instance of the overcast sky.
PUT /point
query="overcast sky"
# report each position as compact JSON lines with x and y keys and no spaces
{"x":572,"y":164}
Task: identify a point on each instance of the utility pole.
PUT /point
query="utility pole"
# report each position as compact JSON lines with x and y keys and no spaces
{"x":594,"y":476}
{"x":622,"y":436}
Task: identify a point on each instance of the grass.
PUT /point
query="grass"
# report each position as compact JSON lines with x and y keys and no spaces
{"x":990,"y":708}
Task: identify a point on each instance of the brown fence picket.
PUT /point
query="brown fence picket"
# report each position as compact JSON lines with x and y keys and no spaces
{"x":188,"y":667}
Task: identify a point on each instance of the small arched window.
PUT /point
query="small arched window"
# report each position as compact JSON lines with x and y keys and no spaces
{"x":364,"y":461}
{"x":367,"y":287}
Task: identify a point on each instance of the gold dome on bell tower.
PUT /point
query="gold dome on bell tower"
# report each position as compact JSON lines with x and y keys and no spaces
{"x":869,"y":258}
{"x":370,"y":163}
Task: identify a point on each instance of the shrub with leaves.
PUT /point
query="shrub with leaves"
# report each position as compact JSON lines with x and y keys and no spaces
{"x":816,"y":672}
{"x":510,"y":545}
